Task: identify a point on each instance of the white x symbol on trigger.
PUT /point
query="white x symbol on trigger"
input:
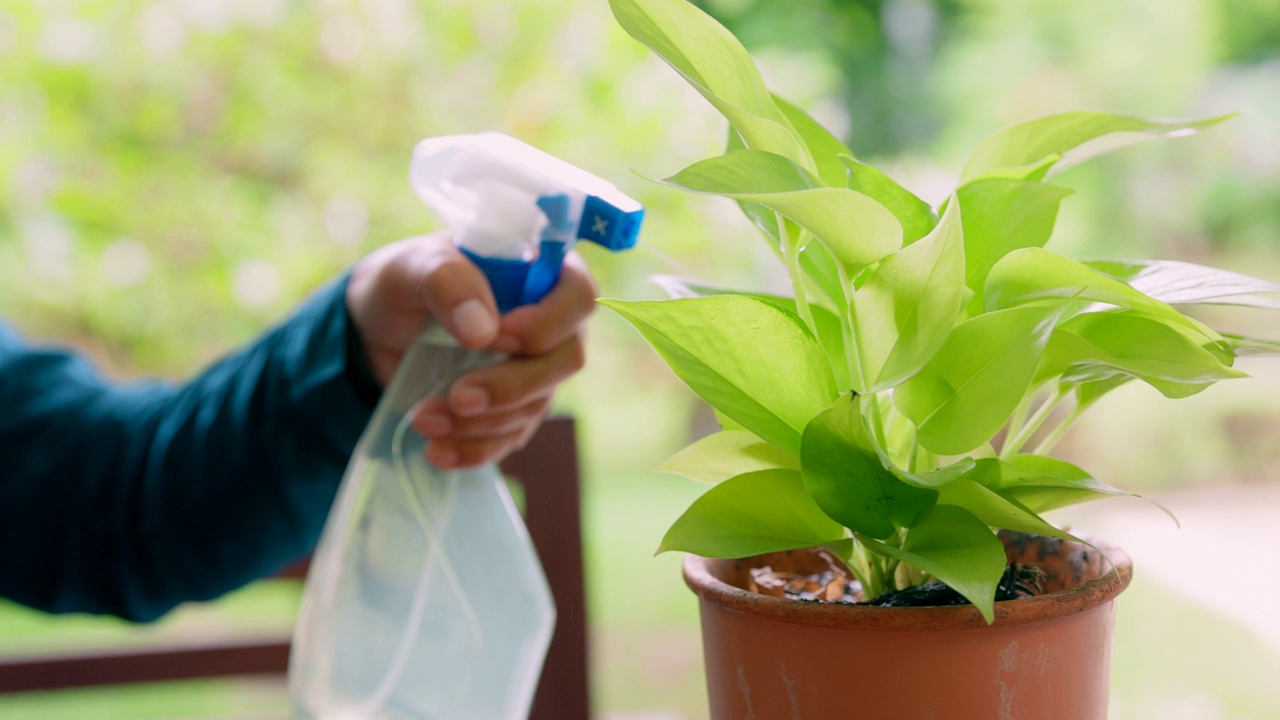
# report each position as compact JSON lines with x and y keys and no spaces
{"x":600,"y":226}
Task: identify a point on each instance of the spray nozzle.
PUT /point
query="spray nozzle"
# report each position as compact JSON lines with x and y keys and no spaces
{"x":517,"y":211}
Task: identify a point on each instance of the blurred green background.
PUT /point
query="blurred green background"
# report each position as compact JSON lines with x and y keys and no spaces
{"x":175,"y":175}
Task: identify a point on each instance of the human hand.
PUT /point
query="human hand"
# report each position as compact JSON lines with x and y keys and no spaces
{"x":490,"y":412}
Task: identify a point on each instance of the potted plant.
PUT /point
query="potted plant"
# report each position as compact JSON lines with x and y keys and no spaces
{"x":883,"y":422}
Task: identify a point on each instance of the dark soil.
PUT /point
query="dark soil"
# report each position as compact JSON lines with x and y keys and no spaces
{"x":1018,"y":581}
{"x":815,"y":575}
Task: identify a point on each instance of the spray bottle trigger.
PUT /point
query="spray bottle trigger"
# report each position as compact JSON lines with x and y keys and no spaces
{"x":506,"y":276}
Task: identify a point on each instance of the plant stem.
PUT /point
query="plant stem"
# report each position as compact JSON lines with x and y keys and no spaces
{"x":791,"y":254}
{"x":1019,"y":417}
{"x":1020,"y":438}
{"x":863,"y":568}
{"x":1047,"y":444}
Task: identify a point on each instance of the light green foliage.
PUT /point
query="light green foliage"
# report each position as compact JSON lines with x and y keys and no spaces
{"x":717,"y":66}
{"x":1002,"y":215}
{"x":855,"y":228}
{"x":905,"y":309}
{"x":956,"y":336}
{"x":847,"y":478}
{"x":970,"y":387}
{"x":758,"y":512}
{"x":711,"y":343}
{"x":954,"y":546}
{"x":1031,"y":142}
{"x":175,"y":177}
{"x":720,"y":456}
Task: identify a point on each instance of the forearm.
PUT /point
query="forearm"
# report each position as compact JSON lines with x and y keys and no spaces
{"x":153,"y":495}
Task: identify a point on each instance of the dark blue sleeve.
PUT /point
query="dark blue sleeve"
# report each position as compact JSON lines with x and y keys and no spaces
{"x":128,"y":499}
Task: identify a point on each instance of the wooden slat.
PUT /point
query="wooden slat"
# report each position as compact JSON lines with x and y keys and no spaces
{"x":57,"y":672}
{"x":548,"y":468}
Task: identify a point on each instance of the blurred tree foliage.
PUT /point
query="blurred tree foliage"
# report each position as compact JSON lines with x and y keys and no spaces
{"x":175,"y":174}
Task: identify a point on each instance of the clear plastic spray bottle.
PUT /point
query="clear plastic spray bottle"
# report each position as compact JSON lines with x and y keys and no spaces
{"x":425,"y":599}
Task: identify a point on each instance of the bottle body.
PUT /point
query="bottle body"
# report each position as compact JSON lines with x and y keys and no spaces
{"x":425,"y":600}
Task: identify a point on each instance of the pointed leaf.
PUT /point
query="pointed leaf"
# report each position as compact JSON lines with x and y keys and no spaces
{"x":1181,"y":283}
{"x":938,"y":476}
{"x":1101,"y":345}
{"x":857,"y":229}
{"x":754,"y":513}
{"x":1033,"y":171}
{"x":957,"y":548}
{"x":1043,"y":483}
{"x":825,"y":149}
{"x":712,"y":60}
{"x":1000,"y":216}
{"x":829,"y":329}
{"x":908,"y":305}
{"x":844,"y":474}
{"x":916,"y":215}
{"x":1032,"y":275}
{"x":1029,"y":142}
{"x":1090,"y":392}
{"x":967,"y":392}
{"x":996,"y":510}
{"x":723,"y":455}
{"x":750,"y":359}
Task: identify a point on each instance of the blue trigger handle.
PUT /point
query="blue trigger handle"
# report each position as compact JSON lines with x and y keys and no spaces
{"x":520,"y":282}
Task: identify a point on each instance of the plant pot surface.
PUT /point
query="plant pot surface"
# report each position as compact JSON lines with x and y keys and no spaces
{"x":1046,"y":657}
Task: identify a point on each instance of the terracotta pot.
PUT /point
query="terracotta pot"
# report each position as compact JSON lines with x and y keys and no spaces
{"x":1046,"y":657}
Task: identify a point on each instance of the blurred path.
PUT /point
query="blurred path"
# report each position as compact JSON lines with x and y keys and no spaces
{"x":1224,"y":558}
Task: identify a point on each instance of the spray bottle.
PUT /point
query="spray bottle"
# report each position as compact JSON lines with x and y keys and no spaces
{"x":425,"y":599}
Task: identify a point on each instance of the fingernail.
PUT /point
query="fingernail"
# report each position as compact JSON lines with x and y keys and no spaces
{"x":473,"y":321}
{"x":433,"y":424}
{"x":469,"y":400}
{"x":506,"y":344}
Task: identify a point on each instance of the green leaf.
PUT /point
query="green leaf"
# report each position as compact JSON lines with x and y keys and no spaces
{"x":723,"y":455}
{"x":908,"y":305}
{"x":828,"y":327}
{"x":855,"y":228}
{"x":1032,"y":141}
{"x":676,"y":286}
{"x":1181,"y":283}
{"x":1042,"y":483}
{"x":749,"y":358}
{"x":1090,"y":392}
{"x":712,"y":60}
{"x":820,"y":265}
{"x":1035,"y":171}
{"x":967,"y":392}
{"x":1032,"y":275}
{"x":825,"y":149}
{"x":844,"y":474}
{"x":1097,"y":346}
{"x":754,"y":513}
{"x":957,"y":548}
{"x":997,"y":510}
{"x":916,"y":215}
{"x":938,"y":476}
{"x":1000,"y":216}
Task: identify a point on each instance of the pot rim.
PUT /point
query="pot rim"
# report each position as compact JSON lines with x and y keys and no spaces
{"x":700,"y":574}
